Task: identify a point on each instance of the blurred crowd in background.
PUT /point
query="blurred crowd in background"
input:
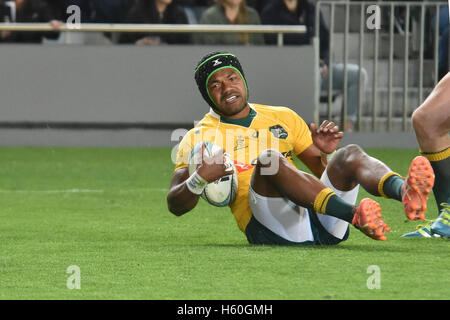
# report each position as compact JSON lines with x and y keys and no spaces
{"x":238,"y":12}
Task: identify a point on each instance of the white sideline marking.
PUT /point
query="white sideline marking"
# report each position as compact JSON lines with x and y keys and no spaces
{"x":81,"y":191}
{"x":52,"y":191}
{"x":142,"y":189}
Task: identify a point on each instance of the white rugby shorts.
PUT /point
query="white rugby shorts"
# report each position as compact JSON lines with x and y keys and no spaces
{"x":292,"y":222}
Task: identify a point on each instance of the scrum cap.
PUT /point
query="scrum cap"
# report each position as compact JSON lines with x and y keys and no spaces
{"x":211,"y":63}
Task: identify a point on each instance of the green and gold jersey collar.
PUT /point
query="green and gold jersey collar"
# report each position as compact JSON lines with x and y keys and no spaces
{"x":243,"y":122}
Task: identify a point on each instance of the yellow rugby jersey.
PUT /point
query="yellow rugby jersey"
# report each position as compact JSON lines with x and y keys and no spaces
{"x":244,"y":139}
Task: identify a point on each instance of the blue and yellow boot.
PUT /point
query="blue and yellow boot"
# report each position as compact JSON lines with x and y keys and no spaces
{"x":441,"y":226}
{"x":421,"y":232}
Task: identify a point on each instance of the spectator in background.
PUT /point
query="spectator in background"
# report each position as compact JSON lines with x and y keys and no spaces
{"x":443,"y":57}
{"x":301,"y":12}
{"x":156,"y":11}
{"x":24,"y":11}
{"x":98,"y":11}
{"x":101,"y":11}
{"x":5,"y":12}
{"x":293,"y":12}
{"x":58,"y":8}
{"x":111,"y":11}
{"x":195,"y":8}
{"x":258,"y":5}
{"x":443,"y":54}
{"x":230,"y":12}
{"x":196,"y":3}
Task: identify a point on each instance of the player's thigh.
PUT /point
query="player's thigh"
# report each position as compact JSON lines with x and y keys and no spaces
{"x":431,"y":123}
{"x":278,"y":221}
{"x":262,"y":185}
{"x":270,"y":164}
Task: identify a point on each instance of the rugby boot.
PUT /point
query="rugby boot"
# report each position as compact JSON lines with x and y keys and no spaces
{"x":367,"y":219}
{"x":441,"y":226}
{"x":421,"y":232}
{"x":417,"y":188}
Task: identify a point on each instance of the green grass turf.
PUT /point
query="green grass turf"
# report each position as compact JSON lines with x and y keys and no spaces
{"x":104,"y":210}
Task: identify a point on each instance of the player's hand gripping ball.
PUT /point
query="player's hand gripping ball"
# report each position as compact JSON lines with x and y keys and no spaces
{"x":223,"y":191}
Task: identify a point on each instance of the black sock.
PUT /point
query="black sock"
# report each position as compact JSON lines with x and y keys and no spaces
{"x":327,"y":202}
{"x":440,"y":161}
{"x":338,"y":208}
{"x":392,"y":187}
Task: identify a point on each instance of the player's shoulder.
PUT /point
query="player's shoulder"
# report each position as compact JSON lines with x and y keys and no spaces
{"x":207,"y":122}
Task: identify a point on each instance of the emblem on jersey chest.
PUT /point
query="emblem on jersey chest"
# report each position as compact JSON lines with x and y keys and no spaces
{"x":278,"y":132}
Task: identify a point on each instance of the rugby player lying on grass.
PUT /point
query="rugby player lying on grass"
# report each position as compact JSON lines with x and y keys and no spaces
{"x":287,"y":206}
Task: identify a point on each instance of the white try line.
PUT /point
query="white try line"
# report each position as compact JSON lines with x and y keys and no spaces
{"x":140,"y":190}
{"x":52,"y":191}
{"x":82,"y":191}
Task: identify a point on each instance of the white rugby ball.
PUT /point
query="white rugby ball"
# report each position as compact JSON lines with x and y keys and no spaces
{"x":223,"y":191}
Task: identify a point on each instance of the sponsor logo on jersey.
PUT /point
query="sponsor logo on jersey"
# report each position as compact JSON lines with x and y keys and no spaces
{"x":241,"y":167}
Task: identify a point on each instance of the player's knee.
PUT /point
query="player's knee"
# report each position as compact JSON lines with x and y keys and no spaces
{"x":421,"y":121}
{"x":268,"y":156}
{"x":349,"y":154}
{"x":352,"y":150}
{"x":269,"y":162}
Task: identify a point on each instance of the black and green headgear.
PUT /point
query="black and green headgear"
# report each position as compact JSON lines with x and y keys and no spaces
{"x":211,"y":63}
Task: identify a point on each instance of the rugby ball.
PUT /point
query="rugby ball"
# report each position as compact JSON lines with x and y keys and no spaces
{"x":223,"y":191}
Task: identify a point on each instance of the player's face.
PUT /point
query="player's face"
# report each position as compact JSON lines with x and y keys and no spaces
{"x":228,"y":90}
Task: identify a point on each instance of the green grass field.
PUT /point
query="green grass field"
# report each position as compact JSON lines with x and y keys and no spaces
{"x":104,"y":210}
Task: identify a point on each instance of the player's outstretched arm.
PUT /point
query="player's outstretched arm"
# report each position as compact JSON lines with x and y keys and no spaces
{"x":183,"y":198}
{"x":180,"y":199}
{"x":312,"y":158}
{"x":326,"y":139}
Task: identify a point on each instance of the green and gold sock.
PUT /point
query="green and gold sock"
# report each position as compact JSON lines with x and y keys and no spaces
{"x":440,"y":161}
{"x":327,"y":202}
{"x":390,"y":186}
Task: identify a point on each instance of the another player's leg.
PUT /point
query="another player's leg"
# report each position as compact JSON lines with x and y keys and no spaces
{"x":307,"y":191}
{"x":431,"y":122}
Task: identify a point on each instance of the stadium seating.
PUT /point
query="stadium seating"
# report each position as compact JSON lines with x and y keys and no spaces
{"x":383,"y":65}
